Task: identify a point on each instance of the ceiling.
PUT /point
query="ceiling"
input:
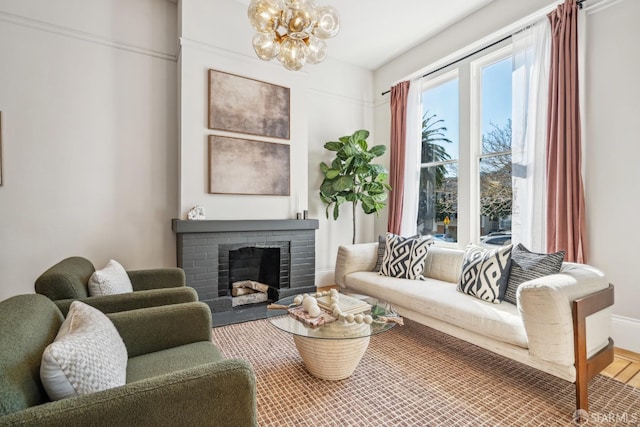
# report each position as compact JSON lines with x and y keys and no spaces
{"x":372,"y":32}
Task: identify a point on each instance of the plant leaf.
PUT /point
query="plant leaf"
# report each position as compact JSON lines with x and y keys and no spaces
{"x":324,"y":168}
{"x":378,"y":150}
{"x":332,"y":173}
{"x":360,"y":134}
{"x":333,"y":146}
{"x":343,"y":183}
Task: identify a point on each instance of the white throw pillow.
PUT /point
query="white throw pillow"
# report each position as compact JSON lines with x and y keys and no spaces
{"x":112,"y":279}
{"x":87,"y":355}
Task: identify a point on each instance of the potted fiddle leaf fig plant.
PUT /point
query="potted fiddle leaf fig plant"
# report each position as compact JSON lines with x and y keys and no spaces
{"x":352,"y":177}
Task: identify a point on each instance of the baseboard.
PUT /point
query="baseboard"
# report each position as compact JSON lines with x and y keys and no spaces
{"x":626,"y":333}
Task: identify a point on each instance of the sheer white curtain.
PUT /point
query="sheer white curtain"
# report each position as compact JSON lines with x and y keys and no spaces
{"x":409,"y":223}
{"x":530,"y":78}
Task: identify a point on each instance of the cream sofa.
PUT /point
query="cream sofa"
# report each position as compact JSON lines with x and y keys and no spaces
{"x":560,"y":325}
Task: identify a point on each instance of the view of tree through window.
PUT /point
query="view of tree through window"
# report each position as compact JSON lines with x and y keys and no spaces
{"x":495,"y":158}
{"x":438,"y":198}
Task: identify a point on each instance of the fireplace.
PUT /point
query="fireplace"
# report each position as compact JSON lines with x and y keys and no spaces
{"x":261,"y":264}
{"x":215,"y":254}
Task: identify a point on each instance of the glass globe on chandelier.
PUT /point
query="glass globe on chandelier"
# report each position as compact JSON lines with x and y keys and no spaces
{"x":292,"y":30}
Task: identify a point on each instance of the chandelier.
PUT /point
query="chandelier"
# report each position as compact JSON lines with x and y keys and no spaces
{"x":292,"y":30}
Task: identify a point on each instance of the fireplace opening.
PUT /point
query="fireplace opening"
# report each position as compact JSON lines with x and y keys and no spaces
{"x":254,"y":274}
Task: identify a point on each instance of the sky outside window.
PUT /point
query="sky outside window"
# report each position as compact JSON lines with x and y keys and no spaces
{"x":496,"y":95}
{"x":442,"y":100}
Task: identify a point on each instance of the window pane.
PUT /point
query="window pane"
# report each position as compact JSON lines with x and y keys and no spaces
{"x":495,"y":170}
{"x":496,"y":107}
{"x":495,"y":194}
{"x":438,"y":202}
{"x":440,"y":134}
{"x":438,"y":197}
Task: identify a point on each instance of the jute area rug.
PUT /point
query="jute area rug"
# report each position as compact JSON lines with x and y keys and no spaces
{"x":416,"y":376}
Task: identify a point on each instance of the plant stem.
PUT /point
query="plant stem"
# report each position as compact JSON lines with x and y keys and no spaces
{"x":355,"y":204}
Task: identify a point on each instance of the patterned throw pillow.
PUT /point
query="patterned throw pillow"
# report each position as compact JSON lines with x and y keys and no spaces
{"x":112,"y":279}
{"x":527,"y":265}
{"x":485,"y":272}
{"x":382,"y":244}
{"x":86,"y":356}
{"x":404,"y":257}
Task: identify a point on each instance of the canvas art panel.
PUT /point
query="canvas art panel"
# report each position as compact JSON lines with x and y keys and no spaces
{"x":242,"y":166}
{"x":243,"y":105}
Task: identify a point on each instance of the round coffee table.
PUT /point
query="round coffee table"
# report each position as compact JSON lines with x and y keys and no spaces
{"x":332,"y":351}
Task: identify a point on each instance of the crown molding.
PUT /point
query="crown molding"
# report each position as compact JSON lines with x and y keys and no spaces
{"x":48,"y":27}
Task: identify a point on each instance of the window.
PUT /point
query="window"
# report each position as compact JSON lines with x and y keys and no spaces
{"x":494,"y":159}
{"x":438,"y":197}
{"x":465,"y":188}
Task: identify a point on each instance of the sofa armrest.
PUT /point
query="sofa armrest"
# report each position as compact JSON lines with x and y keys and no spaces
{"x":545,"y":307}
{"x":134,"y":300}
{"x":148,"y":330}
{"x":143,"y":280}
{"x":221,"y":393}
{"x":352,"y":258}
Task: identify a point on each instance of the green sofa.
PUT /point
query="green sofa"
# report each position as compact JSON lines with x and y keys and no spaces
{"x":68,"y":280}
{"x":175,"y":375}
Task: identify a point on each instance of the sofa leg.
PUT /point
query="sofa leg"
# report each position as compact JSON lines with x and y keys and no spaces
{"x":582,"y":393}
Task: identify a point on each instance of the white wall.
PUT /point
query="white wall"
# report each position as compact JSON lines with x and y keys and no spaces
{"x":328,"y":100}
{"x":612,"y":152}
{"x":611,"y":95}
{"x":88,"y":95}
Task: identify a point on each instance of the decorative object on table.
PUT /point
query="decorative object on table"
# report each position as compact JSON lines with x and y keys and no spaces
{"x":292,"y":31}
{"x":344,"y":303}
{"x":353,"y":178}
{"x":244,"y":105}
{"x":324,"y":307}
{"x":196,"y":213}
{"x":314,"y":321}
{"x":242,"y":166}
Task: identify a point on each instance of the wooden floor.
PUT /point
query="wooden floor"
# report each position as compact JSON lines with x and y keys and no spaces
{"x":625,"y":368}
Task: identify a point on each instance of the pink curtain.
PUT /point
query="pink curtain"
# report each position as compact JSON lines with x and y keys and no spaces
{"x":566,"y":223}
{"x":399,"y":95}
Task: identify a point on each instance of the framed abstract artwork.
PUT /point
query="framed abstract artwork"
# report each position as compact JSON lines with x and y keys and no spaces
{"x":243,"y":166}
{"x":243,"y":105}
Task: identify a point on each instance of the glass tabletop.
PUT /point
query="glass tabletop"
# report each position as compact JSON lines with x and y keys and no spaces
{"x":335,"y":329}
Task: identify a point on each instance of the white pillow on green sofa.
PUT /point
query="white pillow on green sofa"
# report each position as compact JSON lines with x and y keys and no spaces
{"x":112,"y":279}
{"x":87,"y":355}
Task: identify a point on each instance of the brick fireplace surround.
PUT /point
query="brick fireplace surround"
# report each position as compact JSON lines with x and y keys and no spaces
{"x":202,"y":249}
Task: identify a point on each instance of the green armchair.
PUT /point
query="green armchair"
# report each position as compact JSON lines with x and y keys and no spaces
{"x":68,"y":280}
{"x":175,"y":374}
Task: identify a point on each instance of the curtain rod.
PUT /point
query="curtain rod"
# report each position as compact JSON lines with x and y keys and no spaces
{"x":578,"y":2}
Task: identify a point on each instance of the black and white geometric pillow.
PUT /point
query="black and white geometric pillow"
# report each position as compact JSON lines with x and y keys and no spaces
{"x":485,"y":272}
{"x":404,"y":257}
{"x":527,"y":265}
{"x":382,"y":244}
